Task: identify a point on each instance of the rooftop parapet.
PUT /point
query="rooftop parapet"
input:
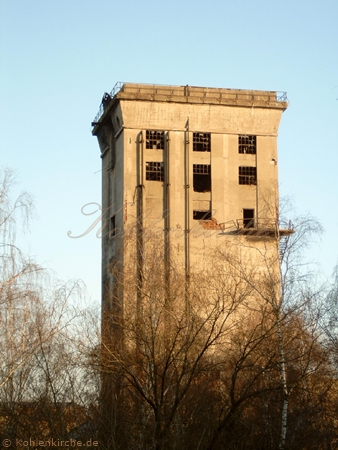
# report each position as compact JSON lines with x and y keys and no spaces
{"x":191,"y":94}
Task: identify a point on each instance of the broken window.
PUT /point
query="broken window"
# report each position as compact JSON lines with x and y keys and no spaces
{"x":247,"y":144}
{"x":202,"y":177}
{"x":154,"y":171}
{"x":247,"y":175}
{"x":248,"y":218}
{"x":202,"y":215}
{"x":201,"y":142}
{"x":155,"y":139}
{"x":112,"y":229}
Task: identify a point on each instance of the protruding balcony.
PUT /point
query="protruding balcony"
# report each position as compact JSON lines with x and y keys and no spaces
{"x":262,"y":227}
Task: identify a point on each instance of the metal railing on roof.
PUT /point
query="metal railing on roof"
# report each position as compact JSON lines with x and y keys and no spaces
{"x":281,"y":96}
{"x":118,"y":86}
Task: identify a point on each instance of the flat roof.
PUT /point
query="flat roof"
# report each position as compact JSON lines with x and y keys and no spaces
{"x":192,"y":95}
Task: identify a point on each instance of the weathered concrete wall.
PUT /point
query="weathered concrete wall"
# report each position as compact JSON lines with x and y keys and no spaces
{"x":212,"y":118}
{"x":180,"y":112}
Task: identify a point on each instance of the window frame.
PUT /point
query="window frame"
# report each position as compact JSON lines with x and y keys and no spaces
{"x":201,"y":140}
{"x":247,"y":175}
{"x":199,"y":214}
{"x":201,"y":170}
{"x":155,"y":171}
{"x":154,"y":140}
{"x":247,"y":144}
{"x":248,"y":220}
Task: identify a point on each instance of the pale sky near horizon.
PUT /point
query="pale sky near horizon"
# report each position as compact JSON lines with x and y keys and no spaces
{"x":59,"y":57}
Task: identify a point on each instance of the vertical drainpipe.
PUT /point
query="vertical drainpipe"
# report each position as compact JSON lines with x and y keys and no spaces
{"x":166,"y":213}
{"x":139,"y":222}
{"x":186,"y":206}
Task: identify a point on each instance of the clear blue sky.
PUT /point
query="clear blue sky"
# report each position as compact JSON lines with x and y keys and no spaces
{"x":58,"y":57}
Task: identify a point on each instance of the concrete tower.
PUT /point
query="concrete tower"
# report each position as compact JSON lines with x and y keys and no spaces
{"x":197,"y":164}
{"x":189,"y":170}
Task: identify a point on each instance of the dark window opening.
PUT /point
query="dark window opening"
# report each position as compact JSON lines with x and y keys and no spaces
{"x":104,"y":138}
{"x":112,"y":230}
{"x":202,"y":177}
{"x":154,"y":171}
{"x":202,"y":215}
{"x":112,"y":157}
{"x":247,"y":144}
{"x":155,"y":140}
{"x":201,"y":142}
{"x":247,"y":175}
{"x":248,"y":218}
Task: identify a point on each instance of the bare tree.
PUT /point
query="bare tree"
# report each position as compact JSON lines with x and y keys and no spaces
{"x":169,"y":344}
{"x":330,"y":319}
{"x":282,"y":290}
{"x":237,"y":352}
{"x":17,"y":274}
{"x":46,"y":384}
{"x":237,"y":357}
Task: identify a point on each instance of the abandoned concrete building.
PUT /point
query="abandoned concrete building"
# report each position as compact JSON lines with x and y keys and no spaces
{"x":197,"y":164}
{"x":188,"y":174}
